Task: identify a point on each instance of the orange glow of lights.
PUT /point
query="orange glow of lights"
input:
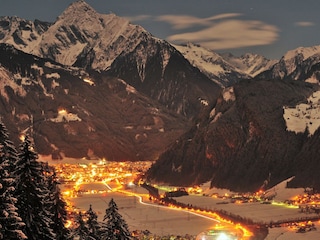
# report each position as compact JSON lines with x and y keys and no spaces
{"x":68,"y":224}
{"x":62,"y":111}
{"x":22,"y":137}
{"x":67,"y":193}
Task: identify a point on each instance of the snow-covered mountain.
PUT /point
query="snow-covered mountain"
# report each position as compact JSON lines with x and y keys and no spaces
{"x":78,"y":31}
{"x":298,"y":64}
{"x":81,"y":32}
{"x":83,"y":38}
{"x":23,"y":34}
{"x":249,"y":63}
{"x":225,"y":69}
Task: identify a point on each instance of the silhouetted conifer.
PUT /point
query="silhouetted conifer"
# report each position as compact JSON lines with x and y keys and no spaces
{"x":10,"y":223}
{"x":33,"y":195}
{"x":117,"y":228}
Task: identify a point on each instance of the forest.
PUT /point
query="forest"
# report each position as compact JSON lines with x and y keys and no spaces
{"x":31,"y":204}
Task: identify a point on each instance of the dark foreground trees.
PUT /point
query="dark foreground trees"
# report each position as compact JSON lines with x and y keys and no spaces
{"x":117,"y":228}
{"x":56,"y":205}
{"x":88,"y":227}
{"x":10,"y":222}
{"x":31,"y":205}
{"x":33,"y":195}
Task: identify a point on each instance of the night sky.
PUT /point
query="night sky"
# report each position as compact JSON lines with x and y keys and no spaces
{"x":267,"y":27}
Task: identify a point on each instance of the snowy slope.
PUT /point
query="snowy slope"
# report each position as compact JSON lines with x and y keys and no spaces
{"x":79,"y":34}
{"x":80,"y":29}
{"x":304,"y":115}
{"x":296,"y":64}
{"x":25,"y":35}
{"x":224,"y":69}
{"x":249,"y":63}
{"x":211,"y":64}
{"x":295,"y":57}
{"x":304,"y":52}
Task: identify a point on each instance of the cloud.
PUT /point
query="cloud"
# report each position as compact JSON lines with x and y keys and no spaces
{"x":304,"y":24}
{"x":138,"y":18}
{"x":230,"y":34}
{"x":223,"y":31}
{"x":186,"y":21}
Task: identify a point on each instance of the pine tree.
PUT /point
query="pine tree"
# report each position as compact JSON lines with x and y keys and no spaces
{"x":10,"y":222}
{"x":92,"y":223}
{"x":81,"y":230}
{"x":58,"y":205}
{"x":8,"y":148}
{"x":33,"y":195}
{"x":117,"y":228}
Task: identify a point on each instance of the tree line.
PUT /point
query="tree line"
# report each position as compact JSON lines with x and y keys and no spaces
{"x":31,"y":204}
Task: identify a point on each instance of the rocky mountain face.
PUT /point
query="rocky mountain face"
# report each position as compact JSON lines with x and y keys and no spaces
{"x":158,"y":70}
{"x":21,"y":33}
{"x":75,"y":113}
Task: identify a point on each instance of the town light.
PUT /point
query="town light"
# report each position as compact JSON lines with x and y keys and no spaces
{"x":223,"y":236}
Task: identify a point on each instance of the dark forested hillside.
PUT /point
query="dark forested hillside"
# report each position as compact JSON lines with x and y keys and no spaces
{"x":73,"y":113}
{"x":243,"y":144}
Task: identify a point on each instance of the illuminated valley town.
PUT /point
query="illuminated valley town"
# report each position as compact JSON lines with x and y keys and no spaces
{"x":152,"y":211}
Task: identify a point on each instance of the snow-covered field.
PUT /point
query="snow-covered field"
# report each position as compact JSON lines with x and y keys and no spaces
{"x":163,"y":221}
{"x":156,"y":219}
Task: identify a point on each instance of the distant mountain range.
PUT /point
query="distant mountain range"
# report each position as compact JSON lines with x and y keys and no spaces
{"x":94,"y":85}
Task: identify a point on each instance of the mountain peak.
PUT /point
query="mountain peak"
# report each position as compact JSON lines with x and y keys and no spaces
{"x":305,"y":52}
{"x":78,"y":9}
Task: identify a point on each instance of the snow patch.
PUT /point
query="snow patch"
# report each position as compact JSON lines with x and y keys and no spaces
{"x":39,"y":69}
{"x":64,"y":116}
{"x":204,"y":102}
{"x":54,"y":84}
{"x":24,"y":80}
{"x":304,"y":115}
{"x":53,"y":75}
{"x":165,"y":60}
{"x":45,"y":92}
{"x":219,"y":114}
{"x":51,"y":65}
{"x":213,"y":112}
{"x":228,"y":94}
{"x":312,"y":79}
